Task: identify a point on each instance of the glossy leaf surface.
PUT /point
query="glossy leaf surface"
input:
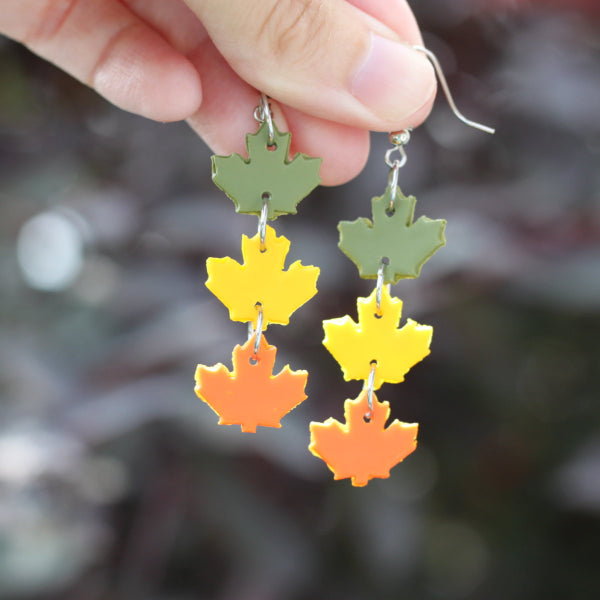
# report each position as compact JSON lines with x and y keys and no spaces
{"x":266,"y":171}
{"x":251,"y":395}
{"x":262,"y":279}
{"x":391,"y":235}
{"x":376,"y":337}
{"x":361,"y":449}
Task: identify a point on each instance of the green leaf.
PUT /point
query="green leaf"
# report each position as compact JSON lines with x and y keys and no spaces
{"x":267,"y":173}
{"x":391,"y":235}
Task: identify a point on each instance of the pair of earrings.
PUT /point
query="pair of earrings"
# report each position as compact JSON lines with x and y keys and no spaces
{"x":260,"y":292}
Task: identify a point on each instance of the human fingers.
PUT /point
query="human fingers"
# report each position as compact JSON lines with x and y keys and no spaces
{"x":174,"y":20}
{"x":103,"y":44}
{"x":327,"y":58}
{"x":344,"y":149}
{"x":396,"y":14}
{"x":227,"y":111}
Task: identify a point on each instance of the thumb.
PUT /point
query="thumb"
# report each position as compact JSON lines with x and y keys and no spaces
{"x":327,"y":58}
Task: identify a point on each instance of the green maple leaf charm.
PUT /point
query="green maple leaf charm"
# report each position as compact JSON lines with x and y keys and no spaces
{"x":393,"y":236}
{"x":268,"y":174}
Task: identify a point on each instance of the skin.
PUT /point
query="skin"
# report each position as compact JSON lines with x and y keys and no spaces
{"x":204,"y":60}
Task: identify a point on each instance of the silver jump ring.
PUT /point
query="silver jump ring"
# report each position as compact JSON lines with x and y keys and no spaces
{"x":397,"y":163}
{"x":262,"y":113}
{"x":262,"y":224}
{"x":380,"y":282}
{"x":370,"y":388}
{"x":393,"y":184}
{"x":259,"y":328}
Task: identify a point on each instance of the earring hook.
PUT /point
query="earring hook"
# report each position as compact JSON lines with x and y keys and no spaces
{"x":438,"y":69}
{"x":399,"y":139}
{"x":262,"y":114}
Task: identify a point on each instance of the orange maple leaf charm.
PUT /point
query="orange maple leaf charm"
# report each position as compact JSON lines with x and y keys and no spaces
{"x":251,"y":395}
{"x":362,"y":449}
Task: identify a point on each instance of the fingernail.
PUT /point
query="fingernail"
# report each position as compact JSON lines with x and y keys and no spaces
{"x":394,"y":81}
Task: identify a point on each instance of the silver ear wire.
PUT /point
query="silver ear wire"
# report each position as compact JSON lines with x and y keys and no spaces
{"x":438,"y":69}
{"x":262,"y":114}
{"x":399,"y":139}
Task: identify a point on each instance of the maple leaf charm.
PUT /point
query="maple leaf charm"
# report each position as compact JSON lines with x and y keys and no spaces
{"x":267,"y":173}
{"x":392,"y":235}
{"x":262,"y":280}
{"x":377,"y":338}
{"x":251,"y":395}
{"x":361,"y":449}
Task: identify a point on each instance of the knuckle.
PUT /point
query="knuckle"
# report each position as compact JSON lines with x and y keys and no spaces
{"x":292,"y":28}
{"x":53,"y":16}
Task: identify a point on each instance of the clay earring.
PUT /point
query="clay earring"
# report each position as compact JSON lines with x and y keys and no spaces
{"x":390,"y":247}
{"x":260,"y":291}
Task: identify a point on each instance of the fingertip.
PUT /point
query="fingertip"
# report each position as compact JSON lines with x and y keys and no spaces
{"x":143,"y":74}
{"x":227,"y":111}
{"x":396,"y":14}
{"x":419,"y":116}
{"x":343,"y":166}
{"x":344,"y":149}
{"x":394,"y":82}
{"x":179,"y":94}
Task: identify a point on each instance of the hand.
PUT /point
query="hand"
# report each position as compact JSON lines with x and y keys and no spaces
{"x":336,"y":68}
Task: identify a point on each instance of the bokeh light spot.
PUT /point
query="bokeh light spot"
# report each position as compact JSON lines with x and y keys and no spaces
{"x":50,"y":251}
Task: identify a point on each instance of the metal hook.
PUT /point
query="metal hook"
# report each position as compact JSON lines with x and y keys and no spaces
{"x":399,"y":139}
{"x":380,"y":282}
{"x":438,"y":69}
{"x":262,"y":114}
{"x":370,"y":389}
{"x":396,"y":163}
{"x":259,"y":328}
{"x":393,"y":183}
{"x":262,"y":221}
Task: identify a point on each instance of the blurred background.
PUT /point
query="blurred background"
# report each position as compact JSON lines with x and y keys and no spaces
{"x":115,"y":480}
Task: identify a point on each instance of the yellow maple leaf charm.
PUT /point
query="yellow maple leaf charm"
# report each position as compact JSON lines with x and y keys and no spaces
{"x":376,"y":338}
{"x":261,"y":280}
{"x":363,"y":449}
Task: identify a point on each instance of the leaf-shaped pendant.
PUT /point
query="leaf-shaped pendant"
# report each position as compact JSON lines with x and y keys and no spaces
{"x":391,"y":235}
{"x":251,"y":395}
{"x":377,"y":338}
{"x":266,"y":175}
{"x":262,"y":280}
{"x":363,"y":449}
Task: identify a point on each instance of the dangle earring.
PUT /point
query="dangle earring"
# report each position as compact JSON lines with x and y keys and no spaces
{"x":260,"y":291}
{"x":387,"y":248}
